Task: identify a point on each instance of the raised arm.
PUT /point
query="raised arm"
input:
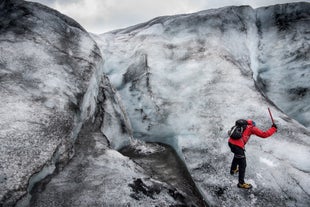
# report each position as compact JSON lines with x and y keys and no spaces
{"x":264,"y":134}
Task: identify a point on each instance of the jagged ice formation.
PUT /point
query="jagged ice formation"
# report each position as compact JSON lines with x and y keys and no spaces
{"x":181,"y":80}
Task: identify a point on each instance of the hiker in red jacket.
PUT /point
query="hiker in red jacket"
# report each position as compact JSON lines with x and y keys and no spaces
{"x":237,"y":147}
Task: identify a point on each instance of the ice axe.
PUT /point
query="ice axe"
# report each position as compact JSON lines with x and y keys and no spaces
{"x":270,"y":115}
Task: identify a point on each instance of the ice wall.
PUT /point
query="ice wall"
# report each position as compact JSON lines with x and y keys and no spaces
{"x":283,"y":58}
{"x":50,"y":77}
{"x":185,"y":79}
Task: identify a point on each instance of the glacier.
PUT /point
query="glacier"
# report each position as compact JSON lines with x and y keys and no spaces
{"x":70,"y":100}
{"x":283,"y":54}
{"x":185,"y":79}
{"x":49,"y":72}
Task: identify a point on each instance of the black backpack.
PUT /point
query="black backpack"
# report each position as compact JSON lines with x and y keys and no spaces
{"x":237,"y":130}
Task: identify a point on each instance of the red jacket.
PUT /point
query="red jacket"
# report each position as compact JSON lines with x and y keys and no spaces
{"x":251,"y":129}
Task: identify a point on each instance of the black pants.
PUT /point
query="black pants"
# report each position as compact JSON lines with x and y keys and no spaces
{"x":239,"y":159}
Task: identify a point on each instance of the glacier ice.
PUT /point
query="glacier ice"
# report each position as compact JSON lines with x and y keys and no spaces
{"x":46,"y":66}
{"x":185,"y":79}
{"x":181,"y":80}
{"x":100,"y":176}
{"x":283,"y":56}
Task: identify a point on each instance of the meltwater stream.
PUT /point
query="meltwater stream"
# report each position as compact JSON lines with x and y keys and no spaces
{"x":162,"y":163}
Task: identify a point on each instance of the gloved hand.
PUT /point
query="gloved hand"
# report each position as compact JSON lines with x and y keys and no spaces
{"x":274,"y":125}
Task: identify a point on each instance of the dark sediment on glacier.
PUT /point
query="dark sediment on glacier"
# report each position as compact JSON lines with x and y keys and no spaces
{"x":162,"y":163}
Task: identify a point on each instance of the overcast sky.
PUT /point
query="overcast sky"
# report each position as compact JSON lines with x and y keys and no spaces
{"x":99,"y":16}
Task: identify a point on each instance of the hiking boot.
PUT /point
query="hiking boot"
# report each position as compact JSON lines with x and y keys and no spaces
{"x":232,"y":172}
{"x":244,"y":185}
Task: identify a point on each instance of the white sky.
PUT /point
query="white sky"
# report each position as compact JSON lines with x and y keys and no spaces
{"x":99,"y":16}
